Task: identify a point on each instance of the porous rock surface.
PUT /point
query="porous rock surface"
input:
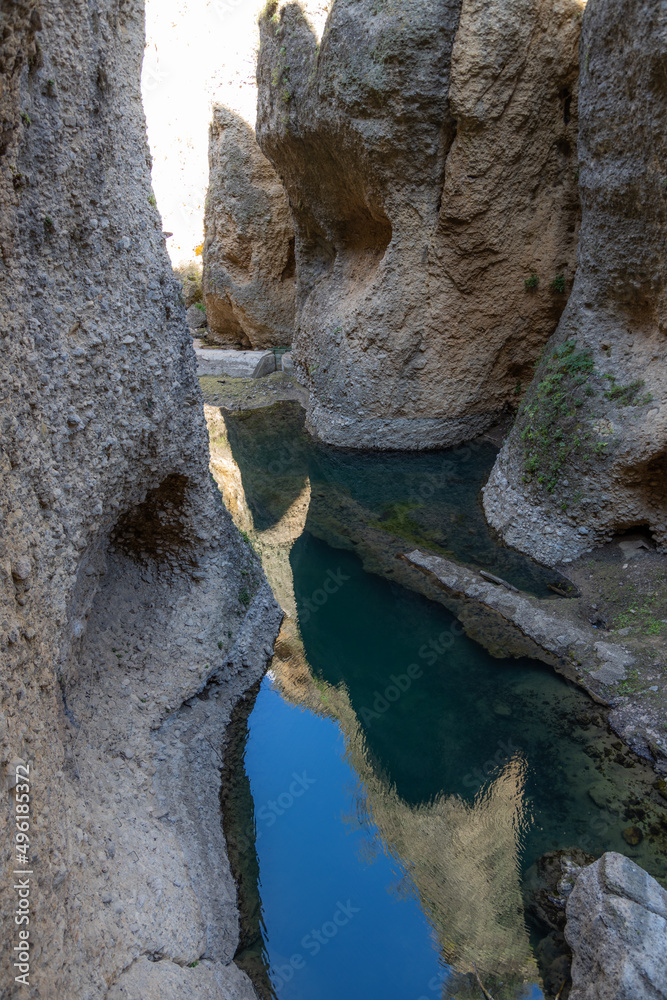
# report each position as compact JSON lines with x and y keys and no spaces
{"x":428,"y":152}
{"x":617,"y":930}
{"x":131,"y":613}
{"x":248,"y":276}
{"x":612,"y":431}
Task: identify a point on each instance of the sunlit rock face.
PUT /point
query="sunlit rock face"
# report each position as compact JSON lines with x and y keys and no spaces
{"x":429,"y":162}
{"x":249,"y":266}
{"x":587,"y":456}
{"x":118,"y":563}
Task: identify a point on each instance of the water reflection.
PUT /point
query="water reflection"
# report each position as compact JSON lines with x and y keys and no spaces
{"x":461,"y":818}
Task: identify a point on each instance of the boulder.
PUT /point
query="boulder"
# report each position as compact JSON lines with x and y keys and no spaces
{"x":617,"y":930}
{"x":189,"y":276}
{"x":248,"y":276}
{"x":196,"y":317}
{"x":430,"y":165}
{"x":588,"y":454}
{"x":236,"y":364}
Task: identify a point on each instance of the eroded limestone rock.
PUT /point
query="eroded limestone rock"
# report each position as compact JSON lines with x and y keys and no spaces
{"x":428,"y":154}
{"x":120,"y":572}
{"x":588,"y":457}
{"x":617,"y":930}
{"x":249,"y":265}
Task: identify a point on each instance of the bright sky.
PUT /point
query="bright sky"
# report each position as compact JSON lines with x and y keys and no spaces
{"x":197,"y":51}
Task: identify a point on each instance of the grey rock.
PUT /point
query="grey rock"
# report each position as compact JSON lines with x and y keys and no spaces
{"x":618,"y":307}
{"x":534,"y":628}
{"x":237,"y":364}
{"x":105,"y":505}
{"x":617,"y":930}
{"x":196,"y":318}
{"x":165,"y":980}
{"x":614,"y":659}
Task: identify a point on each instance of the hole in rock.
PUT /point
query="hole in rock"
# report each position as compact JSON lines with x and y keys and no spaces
{"x":157,"y":528}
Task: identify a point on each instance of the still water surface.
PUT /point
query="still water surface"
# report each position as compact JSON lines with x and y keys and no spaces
{"x":395,"y":784}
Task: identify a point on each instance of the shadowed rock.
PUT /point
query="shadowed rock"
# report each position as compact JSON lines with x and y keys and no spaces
{"x":588,"y":454}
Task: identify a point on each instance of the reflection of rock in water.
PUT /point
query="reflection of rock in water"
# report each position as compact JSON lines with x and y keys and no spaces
{"x":285,"y":523}
{"x":238,"y":814}
{"x":461,"y":859}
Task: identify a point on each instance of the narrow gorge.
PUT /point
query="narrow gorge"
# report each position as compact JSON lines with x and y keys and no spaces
{"x":333,"y":604}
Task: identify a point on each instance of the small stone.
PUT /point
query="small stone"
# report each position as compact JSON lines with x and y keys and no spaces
{"x":21,"y":568}
{"x":632,"y":835}
{"x":500,"y":708}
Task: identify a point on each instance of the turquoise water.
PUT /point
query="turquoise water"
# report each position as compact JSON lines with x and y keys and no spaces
{"x":404,"y":782}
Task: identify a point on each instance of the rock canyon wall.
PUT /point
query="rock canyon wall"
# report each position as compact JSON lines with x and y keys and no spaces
{"x":249,"y":262}
{"x":588,"y":454}
{"x":131,"y":612}
{"x":428,"y":153}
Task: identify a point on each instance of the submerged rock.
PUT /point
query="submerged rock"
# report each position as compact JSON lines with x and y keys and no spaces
{"x":588,"y":454}
{"x":249,"y":246}
{"x":617,"y":930}
{"x":429,"y":160}
{"x":632,"y":835}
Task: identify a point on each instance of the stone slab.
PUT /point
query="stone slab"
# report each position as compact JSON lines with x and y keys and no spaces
{"x":236,"y":364}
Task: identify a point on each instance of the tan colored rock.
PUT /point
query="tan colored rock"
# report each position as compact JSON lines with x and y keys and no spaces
{"x":249,"y":267}
{"x":430,"y":166}
{"x":581,"y":466}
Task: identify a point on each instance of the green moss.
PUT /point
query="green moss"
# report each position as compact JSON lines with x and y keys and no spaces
{"x":642,"y":618}
{"x":530,"y":284}
{"x":551,"y":432}
{"x":558,"y":284}
{"x":268,"y":10}
{"x":626,"y":395}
